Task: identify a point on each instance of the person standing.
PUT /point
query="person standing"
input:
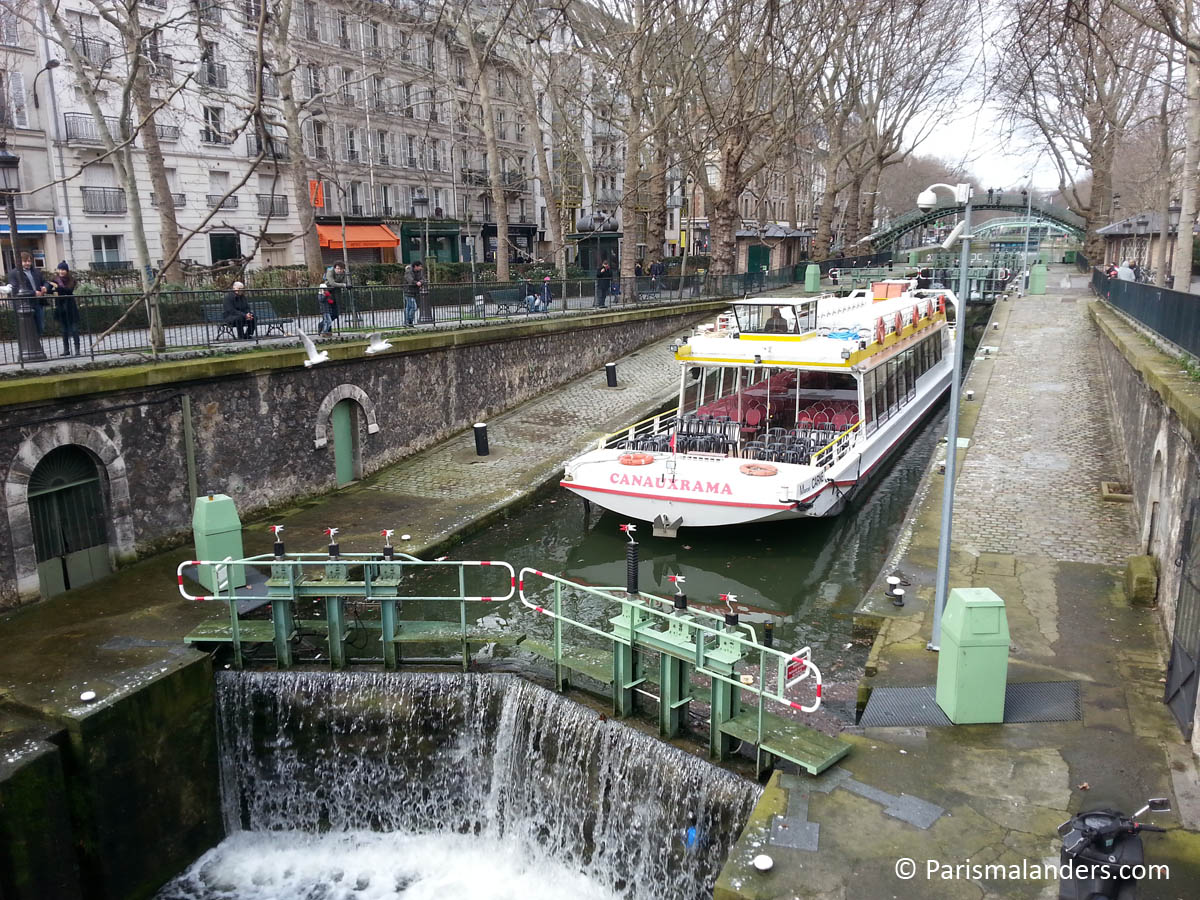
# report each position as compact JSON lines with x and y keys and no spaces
{"x":327,"y":301}
{"x":1125,"y":271}
{"x":237,"y":312}
{"x":656,"y":272}
{"x":66,"y":307}
{"x":27,"y":276}
{"x":547,"y":294}
{"x":603,"y":283}
{"x":414,"y":283}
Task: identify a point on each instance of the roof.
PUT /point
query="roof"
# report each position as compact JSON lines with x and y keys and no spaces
{"x":357,"y":236}
{"x":1142,"y":223}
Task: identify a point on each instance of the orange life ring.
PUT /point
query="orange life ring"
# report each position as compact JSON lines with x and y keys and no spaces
{"x":941,"y":303}
{"x":758,"y":469}
{"x":635,"y":459}
{"x":899,"y":322}
{"x":880,"y":331}
{"x":916,"y":315}
{"x":928,"y":309}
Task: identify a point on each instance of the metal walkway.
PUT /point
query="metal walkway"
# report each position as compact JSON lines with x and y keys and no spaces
{"x":1035,"y":701}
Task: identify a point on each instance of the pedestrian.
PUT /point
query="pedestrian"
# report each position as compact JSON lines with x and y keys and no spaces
{"x":547,"y":294}
{"x":66,"y":307}
{"x":27,"y":276}
{"x":1125,"y":271}
{"x":637,"y":269}
{"x":656,"y":272}
{"x":1137,"y":271}
{"x":414,"y":284}
{"x":531,"y":297}
{"x":237,"y":312}
{"x":327,"y":303}
{"x":338,"y":280}
{"x":603,"y":282}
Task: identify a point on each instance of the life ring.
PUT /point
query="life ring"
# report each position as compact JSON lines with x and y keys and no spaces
{"x":759,"y":470}
{"x":928,"y":309}
{"x":916,"y":315}
{"x":880,"y":331}
{"x":635,"y":459}
{"x":941,"y":303}
{"x":899,"y":322}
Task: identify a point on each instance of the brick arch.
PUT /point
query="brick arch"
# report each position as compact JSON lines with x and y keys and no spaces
{"x":16,"y":493}
{"x":339,"y":393}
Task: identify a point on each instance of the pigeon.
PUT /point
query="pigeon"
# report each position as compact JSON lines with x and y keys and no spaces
{"x":310,"y":348}
{"x":376,"y":344}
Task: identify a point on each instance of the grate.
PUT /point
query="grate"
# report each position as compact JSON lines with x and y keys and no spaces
{"x":1034,"y":701}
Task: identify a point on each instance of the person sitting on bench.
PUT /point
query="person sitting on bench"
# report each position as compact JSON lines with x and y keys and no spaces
{"x":237,"y":312}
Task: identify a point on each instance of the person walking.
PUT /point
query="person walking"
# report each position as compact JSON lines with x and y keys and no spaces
{"x":547,"y":296}
{"x":603,"y":283}
{"x":66,"y":307}
{"x":327,"y":303}
{"x":414,"y":283}
{"x":237,"y":312}
{"x":27,"y":276}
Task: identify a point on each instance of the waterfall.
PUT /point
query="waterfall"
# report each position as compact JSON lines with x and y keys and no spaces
{"x":443,"y":765}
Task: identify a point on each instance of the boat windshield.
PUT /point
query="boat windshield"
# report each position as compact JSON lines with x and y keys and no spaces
{"x":776,"y":318}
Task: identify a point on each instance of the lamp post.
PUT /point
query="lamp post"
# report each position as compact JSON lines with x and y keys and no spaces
{"x":1028,"y":194}
{"x":50,"y":64}
{"x":29,"y":347}
{"x":928,"y":200}
{"x":425,"y":313}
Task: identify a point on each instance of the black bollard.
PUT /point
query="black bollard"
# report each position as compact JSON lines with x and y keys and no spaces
{"x":631,"y":569}
{"x":731,"y":619}
{"x":680,"y":602}
{"x":279,"y":554}
{"x":334,"y":551}
{"x":481,"y":442}
{"x":389,"y":552}
{"x":769,"y":634}
{"x":610,"y":372}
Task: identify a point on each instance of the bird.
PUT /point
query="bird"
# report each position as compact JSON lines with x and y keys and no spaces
{"x":310,"y":348}
{"x":376,"y":344}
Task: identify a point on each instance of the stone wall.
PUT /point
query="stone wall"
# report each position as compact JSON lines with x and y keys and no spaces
{"x":261,"y":422}
{"x":1157,"y":412}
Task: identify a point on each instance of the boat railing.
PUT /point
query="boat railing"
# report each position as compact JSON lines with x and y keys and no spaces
{"x":826,"y":456}
{"x":656,"y":424}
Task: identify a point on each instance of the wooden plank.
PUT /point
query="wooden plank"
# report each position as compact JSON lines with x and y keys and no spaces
{"x":590,"y":661}
{"x":806,"y":747}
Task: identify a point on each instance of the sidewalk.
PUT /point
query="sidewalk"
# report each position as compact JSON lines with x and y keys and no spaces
{"x":1030,"y":525}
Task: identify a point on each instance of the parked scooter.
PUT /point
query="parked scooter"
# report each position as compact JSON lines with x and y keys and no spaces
{"x":1101,"y":855}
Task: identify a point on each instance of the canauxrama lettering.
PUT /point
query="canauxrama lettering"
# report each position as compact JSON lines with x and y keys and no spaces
{"x":683,"y":484}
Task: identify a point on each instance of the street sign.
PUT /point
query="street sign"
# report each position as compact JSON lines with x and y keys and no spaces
{"x":795,"y":667}
{"x":316,"y":193}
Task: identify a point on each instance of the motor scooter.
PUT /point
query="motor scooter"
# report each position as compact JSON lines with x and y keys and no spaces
{"x":1101,"y":856}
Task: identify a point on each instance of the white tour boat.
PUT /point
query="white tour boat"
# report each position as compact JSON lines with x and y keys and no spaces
{"x":786,"y":408}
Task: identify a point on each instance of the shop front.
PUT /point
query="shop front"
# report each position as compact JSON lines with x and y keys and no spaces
{"x":443,"y":241}
{"x":522,"y":240}
{"x":374,"y":243}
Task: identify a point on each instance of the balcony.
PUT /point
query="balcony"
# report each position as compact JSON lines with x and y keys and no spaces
{"x":208,"y":12}
{"x":177,"y":200}
{"x":271,"y":148}
{"x":474,"y":177}
{"x":95,"y":51}
{"x":352,"y":154}
{"x":411,"y":162}
{"x":380,"y":105}
{"x":103,"y":200}
{"x":166,"y":132}
{"x":162,"y":67}
{"x":214,"y":75}
{"x":312,"y":32}
{"x":347,"y":98}
{"x":386,"y":210}
{"x":270,"y":85}
{"x":382,"y":159}
{"x":356,"y":209}
{"x":212,"y":136}
{"x":82,"y":127}
{"x":272,"y":204}
{"x":220,"y":201}
{"x":320,"y":153}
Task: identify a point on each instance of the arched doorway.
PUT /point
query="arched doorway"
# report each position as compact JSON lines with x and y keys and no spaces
{"x":347,"y":451}
{"x":67,"y":512}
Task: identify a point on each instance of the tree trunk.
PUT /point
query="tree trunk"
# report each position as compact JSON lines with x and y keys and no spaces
{"x":870,"y":194}
{"x":853,"y":198}
{"x":723,"y":220}
{"x":656,"y":231}
{"x":168,"y":227}
{"x":792,"y":198}
{"x":1098,"y":210}
{"x":553,"y":219}
{"x":495,"y":176}
{"x":1159,"y":262}
{"x":825,"y":221}
{"x":1182,"y":269}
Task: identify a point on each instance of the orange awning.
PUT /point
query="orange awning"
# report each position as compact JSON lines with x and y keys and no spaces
{"x":358,"y":237}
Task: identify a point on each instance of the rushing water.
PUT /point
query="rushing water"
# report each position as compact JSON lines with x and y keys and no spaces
{"x":373,"y":785}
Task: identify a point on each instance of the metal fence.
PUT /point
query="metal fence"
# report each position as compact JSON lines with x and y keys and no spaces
{"x":1175,"y":315}
{"x":856,"y":262}
{"x":194,"y":319}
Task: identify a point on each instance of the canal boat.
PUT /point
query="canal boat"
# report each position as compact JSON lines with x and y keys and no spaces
{"x":787,"y":407}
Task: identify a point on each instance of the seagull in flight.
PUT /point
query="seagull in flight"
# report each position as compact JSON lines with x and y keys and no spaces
{"x":314,"y":358}
{"x":376,"y":343}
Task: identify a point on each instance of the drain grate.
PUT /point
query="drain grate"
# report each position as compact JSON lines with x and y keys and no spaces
{"x":1032,"y":701}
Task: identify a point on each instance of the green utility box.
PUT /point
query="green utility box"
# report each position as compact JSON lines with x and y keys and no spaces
{"x":1068,"y":256}
{"x":812,"y":278}
{"x":1037,"y":278}
{"x":218,"y":533}
{"x":914,"y":257}
{"x":973,"y":659}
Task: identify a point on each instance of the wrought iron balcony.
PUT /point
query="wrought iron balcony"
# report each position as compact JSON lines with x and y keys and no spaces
{"x":272,"y":204}
{"x":386,"y":210}
{"x":213,"y":75}
{"x":208,"y":12}
{"x":94,"y":50}
{"x":270,"y":84}
{"x":103,"y":200}
{"x":272,"y":148}
{"x":220,"y":201}
{"x":82,"y":127}
{"x":177,"y":200}
{"x":162,"y":67}
{"x":212,"y":136}
{"x":166,"y":132}
{"x":382,"y":159}
{"x":356,"y":209}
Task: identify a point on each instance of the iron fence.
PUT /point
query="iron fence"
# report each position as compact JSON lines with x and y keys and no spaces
{"x":1175,"y":315}
{"x":855,"y":262}
{"x":194,"y":319}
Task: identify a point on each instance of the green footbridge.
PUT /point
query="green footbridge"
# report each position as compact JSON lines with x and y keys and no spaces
{"x":652,"y":646}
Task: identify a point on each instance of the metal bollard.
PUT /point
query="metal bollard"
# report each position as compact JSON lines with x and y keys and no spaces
{"x":481,"y":441}
{"x":610,"y":371}
{"x":769,"y":634}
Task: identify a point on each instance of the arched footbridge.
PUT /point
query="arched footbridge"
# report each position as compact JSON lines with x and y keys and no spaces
{"x":1057,"y":217}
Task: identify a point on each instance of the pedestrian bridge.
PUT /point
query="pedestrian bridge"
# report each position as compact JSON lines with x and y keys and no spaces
{"x":1040,"y":213}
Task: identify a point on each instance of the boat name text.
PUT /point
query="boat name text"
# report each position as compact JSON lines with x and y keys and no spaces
{"x":683,"y":484}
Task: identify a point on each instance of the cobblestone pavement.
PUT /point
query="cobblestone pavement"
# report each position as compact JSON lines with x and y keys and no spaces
{"x":1043,"y":443}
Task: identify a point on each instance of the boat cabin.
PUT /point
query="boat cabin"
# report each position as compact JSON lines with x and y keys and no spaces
{"x":783,"y":316}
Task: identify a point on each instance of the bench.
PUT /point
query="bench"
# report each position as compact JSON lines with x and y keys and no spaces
{"x":507,"y":301}
{"x":264,"y":317}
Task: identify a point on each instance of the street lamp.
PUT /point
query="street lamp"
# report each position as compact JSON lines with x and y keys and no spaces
{"x":29,"y":347}
{"x":50,"y":64}
{"x":1027,"y":192}
{"x":927,"y":200}
{"x":421,"y":208}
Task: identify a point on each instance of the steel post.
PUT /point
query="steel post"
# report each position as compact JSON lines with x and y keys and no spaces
{"x":387,"y":621}
{"x":335,"y":616}
{"x":726,"y":703}
{"x":281,"y":617}
{"x":674,"y":694}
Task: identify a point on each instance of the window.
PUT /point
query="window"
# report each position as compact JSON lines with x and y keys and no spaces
{"x":501,"y":126}
{"x":434,"y":106}
{"x":13,"y":112}
{"x":312,"y":22}
{"x":499,"y":84}
{"x":212,"y":131}
{"x":412,"y":150}
{"x":343,"y":30}
{"x":314,"y":81}
{"x":460,"y":71}
{"x":403,"y":45}
{"x":106,"y":248}
{"x":378,"y":92}
{"x":10,"y":34}
{"x":382,"y":142}
{"x":435,"y":157}
{"x":408,"y":101}
{"x":351,"y":144}
{"x":430,"y":54}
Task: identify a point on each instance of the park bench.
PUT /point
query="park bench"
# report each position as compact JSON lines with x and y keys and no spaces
{"x":264,"y":317}
{"x":507,"y":301}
